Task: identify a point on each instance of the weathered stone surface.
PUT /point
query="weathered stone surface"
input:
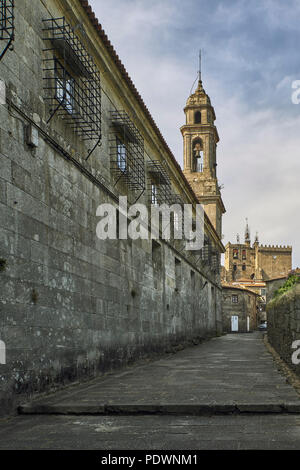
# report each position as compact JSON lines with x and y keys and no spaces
{"x":241,"y":303}
{"x":106,"y":433}
{"x":231,"y":374}
{"x":162,"y":405}
{"x":284,"y":325}
{"x":73,"y":306}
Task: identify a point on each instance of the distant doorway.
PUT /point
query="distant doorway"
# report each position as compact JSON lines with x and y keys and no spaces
{"x":234,"y":323}
{"x":248,"y":324}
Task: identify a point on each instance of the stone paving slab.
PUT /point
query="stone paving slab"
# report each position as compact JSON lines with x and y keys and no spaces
{"x":273,"y":432}
{"x":231,"y":374}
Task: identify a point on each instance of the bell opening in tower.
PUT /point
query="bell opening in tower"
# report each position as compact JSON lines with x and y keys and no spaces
{"x":197,"y":156}
{"x":197,"y":117}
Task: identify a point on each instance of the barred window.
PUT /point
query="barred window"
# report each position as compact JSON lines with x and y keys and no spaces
{"x":206,"y":252}
{"x":159,"y":178}
{"x":6,"y":25}
{"x":215,"y":261}
{"x":71,"y":81}
{"x":176,"y":221}
{"x":121,"y":155}
{"x":6,"y":17}
{"x":64,"y":88}
{"x":178,"y":215}
{"x":154,"y":193}
{"x":3,"y":17}
{"x":235,"y":299}
{"x":126,"y":151}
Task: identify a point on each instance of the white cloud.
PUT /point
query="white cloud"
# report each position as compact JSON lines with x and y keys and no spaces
{"x":250,"y":88}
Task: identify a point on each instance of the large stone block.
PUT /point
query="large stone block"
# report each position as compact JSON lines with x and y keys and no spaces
{"x":5,"y":168}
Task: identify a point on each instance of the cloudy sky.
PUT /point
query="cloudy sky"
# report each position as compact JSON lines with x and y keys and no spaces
{"x":250,"y":59}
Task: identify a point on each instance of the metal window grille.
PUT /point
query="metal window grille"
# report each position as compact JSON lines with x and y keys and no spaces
{"x":158,"y":176}
{"x":64,"y":88}
{"x":7,"y":27}
{"x":121,"y":155}
{"x":206,"y":252}
{"x":154,"y":193}
{"x":176,"y":221}
{"x":176,"y":199}
{"x":71,"y":80}
{"x":126,"y":151}
{"x":215,"y":262}
{"x":235,"y":299}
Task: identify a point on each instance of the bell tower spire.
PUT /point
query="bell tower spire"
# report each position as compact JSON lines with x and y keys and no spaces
{"x":200,"y":138}
{"x":199,"y":71}
{"x":247,"y":233}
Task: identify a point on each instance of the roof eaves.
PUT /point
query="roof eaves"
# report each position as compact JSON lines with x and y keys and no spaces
{"x":92,"y":17}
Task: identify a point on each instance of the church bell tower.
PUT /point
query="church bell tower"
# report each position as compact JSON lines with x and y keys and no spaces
{"x":200,"y":138}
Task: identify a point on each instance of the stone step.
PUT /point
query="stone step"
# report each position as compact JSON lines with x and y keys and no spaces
{"x":197,"y":409}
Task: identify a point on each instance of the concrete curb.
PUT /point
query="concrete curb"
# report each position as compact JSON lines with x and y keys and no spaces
{"x":203,"y":409}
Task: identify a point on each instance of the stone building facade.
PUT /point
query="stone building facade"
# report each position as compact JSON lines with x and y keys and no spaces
{"x":75,"y":133}
{"x":254,"y":267}
{"x":239,"y":310}
{"x":256,"y":261}
{"x":257,"y":287}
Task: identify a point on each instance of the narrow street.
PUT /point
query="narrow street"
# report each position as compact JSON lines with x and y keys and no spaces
{"x":222,"y":394}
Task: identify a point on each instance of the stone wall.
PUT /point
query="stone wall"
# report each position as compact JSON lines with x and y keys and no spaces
{"x":283,"y":316}
{"x":272,"y":285}
{"x":274,"y":261}
{"x":71,"y":305}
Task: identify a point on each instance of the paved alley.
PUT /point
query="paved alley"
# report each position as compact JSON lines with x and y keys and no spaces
{"x":223,"y":394}
{"x":223,"y":374}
